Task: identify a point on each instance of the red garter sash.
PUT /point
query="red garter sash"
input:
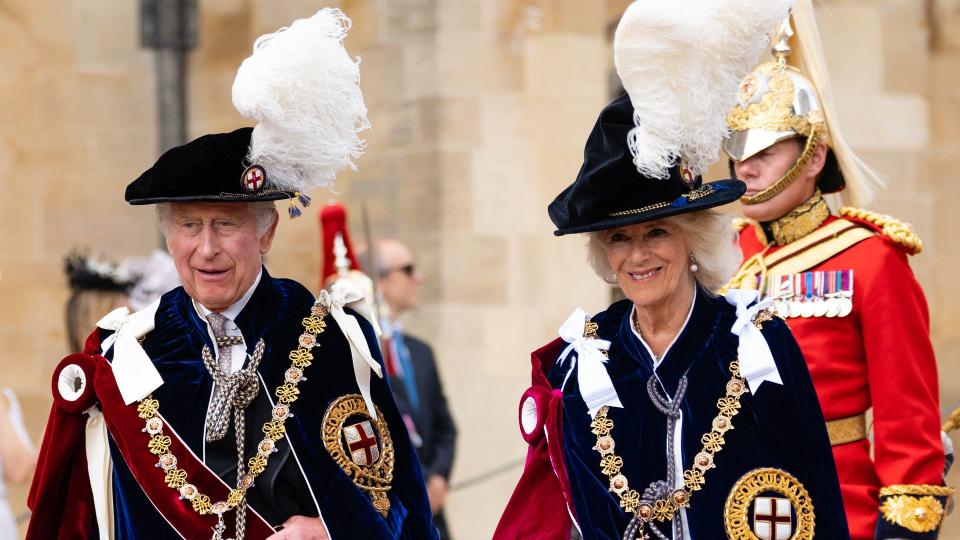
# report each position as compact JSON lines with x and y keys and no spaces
{"x":60,"y":495}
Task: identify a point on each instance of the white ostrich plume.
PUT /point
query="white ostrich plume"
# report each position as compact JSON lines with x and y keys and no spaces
{"x":681,"y":62}
{"x":303,"y":89}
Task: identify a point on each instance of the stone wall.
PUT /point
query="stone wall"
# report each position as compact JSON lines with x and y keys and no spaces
{"x":76,"y":125}
{"x":480,"y":110}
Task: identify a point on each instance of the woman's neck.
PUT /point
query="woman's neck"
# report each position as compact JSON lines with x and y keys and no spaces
{"x":660,"y":323}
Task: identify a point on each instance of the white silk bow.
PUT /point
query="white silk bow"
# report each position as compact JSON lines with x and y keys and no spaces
{"x":596,"y":388}
{"x":340,"y":295}
{"x":756,"y":360}
{"x":134,"y":371}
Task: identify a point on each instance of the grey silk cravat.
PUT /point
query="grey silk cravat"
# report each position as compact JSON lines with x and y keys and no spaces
{"x":232,"y":392}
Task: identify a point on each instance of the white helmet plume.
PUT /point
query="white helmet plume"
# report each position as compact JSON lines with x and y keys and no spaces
{"x":303,"y":89}
{"x":681,"y":62}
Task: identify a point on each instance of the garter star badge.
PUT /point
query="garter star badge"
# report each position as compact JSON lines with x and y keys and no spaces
{"x":253,"y":178}
{"x":361,"y":446}
{"x":769,"y":504}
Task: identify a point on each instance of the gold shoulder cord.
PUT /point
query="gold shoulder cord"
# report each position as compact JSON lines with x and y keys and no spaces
{"x":693,"y":478}
{"x":274,"y":429}
{"x":894,"y":229}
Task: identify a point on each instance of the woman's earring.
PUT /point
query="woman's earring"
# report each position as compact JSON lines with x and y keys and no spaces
{"x":694,"y":267}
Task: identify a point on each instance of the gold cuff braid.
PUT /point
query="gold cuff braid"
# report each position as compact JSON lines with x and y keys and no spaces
{"x":914,"y":507}
{"x":916,"y":489}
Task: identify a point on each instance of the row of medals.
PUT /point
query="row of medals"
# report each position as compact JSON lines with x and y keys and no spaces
{"x":839,"y":305}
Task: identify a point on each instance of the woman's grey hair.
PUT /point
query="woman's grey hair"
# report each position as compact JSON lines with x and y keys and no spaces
{"x":710,"y":237}
{"x":264,"y":213}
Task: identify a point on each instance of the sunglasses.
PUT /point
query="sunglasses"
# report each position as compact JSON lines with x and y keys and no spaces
{"x":408,"y":269}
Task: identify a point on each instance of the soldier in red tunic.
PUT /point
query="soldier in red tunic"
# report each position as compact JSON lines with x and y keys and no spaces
{"x":843,"y":283}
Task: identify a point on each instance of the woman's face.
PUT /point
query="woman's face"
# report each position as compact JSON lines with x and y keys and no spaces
{"x":650,"y":260}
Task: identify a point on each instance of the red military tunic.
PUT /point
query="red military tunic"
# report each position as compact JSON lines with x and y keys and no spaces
{"x":879,"y":356}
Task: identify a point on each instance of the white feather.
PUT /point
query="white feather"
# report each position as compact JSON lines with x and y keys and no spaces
{"x":862,"y":181}
{"x":681,"y":62}
{"x":303,"y":89}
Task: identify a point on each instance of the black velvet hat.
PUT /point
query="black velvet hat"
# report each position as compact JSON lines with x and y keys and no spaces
{"x":610,"y":192}
{"x":211,"y":168}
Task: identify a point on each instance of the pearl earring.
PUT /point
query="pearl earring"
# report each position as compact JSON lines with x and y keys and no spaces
{"x":694,"y":267}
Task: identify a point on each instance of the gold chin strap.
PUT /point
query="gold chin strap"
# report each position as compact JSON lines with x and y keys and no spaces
{"x":812,"y":140}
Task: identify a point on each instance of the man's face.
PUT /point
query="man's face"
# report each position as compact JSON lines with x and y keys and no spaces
{"x":762,"y":169}
{"x":400,"y":281}
{"x":216,"y":249}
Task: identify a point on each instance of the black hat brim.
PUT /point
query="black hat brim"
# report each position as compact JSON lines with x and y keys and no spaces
{"x":221,"y":198}
{"x":721,"y":192}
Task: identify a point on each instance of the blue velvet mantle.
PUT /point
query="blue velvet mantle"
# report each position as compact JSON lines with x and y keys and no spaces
{"x":274,"y":313}
{"x":780,"y":426}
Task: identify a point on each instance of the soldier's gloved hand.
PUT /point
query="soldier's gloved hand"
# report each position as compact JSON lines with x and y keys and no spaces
{"x":302,"y":528}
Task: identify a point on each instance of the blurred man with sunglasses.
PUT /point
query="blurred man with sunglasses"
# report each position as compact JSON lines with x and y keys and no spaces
{"x":413,"y":371}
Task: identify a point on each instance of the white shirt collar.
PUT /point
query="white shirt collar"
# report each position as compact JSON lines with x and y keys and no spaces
{"x":658,"y":361}
{"x":392,"y":325}
{"x":235,"y":309}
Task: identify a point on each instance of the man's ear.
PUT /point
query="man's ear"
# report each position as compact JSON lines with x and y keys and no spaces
{"x":818,"y":160}
{"x":266,"y":241}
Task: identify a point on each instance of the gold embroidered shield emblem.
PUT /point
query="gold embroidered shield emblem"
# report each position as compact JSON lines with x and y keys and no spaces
{"x":769,"y":504}
{"x":361,"y":446}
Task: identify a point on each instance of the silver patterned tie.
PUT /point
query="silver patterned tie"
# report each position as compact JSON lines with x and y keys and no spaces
{"x":218,"y":324}
{"x":232,"y":392}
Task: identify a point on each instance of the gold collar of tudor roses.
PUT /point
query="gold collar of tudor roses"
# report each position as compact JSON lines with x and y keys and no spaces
{"x":693,"y":478}
{"x":274,"y":429}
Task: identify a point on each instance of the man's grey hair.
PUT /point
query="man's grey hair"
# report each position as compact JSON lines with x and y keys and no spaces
{"x":264,"y":213}
{"x":710,"y":238}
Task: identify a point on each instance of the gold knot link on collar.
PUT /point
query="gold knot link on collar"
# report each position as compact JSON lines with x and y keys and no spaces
{"x":693,"y":478}
{"x":176,"y":478}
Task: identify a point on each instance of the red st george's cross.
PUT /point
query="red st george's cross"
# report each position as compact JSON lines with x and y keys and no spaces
{"x":253,"y":179}
{"x":362,"y":443}
{"x":770,"y":515}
